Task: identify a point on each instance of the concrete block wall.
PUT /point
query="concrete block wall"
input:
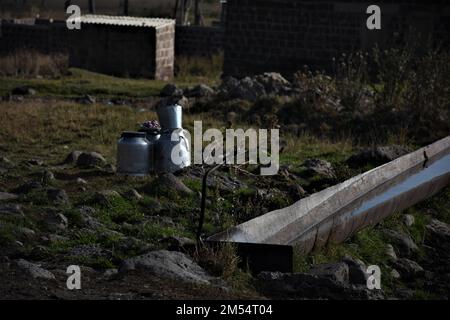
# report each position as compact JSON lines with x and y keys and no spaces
{"x":165,"y":52}
{"x":198,"y":41}
{"x":26,"y":34}
{"x":286,"y":35}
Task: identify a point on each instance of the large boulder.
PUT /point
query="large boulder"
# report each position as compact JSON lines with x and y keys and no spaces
{"x":338,"y":272}
{"x":404,"y":244}
{"x":312,"y":286}
{"x":171,"y":264}
{"x":357,"y":270}
{"x":437,"y":236}
{"x":90,"y":159}
{"x":34,"y":270}
{"x":408,"y":269}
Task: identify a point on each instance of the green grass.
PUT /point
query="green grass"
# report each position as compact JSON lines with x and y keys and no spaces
{"x":80,"y":82}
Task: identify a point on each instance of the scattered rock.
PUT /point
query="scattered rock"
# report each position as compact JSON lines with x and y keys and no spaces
{"x":437,"y":235}
{"x":408,"y":220}
{"x":252,"y":88}
{"x":27,"y":187}
{"x":395,"y":274}
{"x":171,"y":264}
{"x":81,"y":181}
{"x":338,"y":272}
{"x":377,"y":156}
{"x":88,"y":251}
{"x":320,"y":167}
{"x":170,"y":182}
{"x":11,"y":209}
{"x":87,"y":99}
{"x":404,"y":243}
{"x":390,"y":252}
{"x":105,"y":197}
{"x":171,"y":90}
{"x":132,"y":194}
{"x":274,"y":83}
{"x":87,"y":217}
{"x":356,"y":270}
{"x":72,"y":157}
{"x":110,"y":273}
{"x":309,"y":286}
{"x":47,"y":176}
{"x":90,"y":159}
{"x":23,"y":91}
{"x":35,"y":162}
{"x":6,"y":163}
{"x":58,"y":195}
{"x":408,"y":269}
{"x":4,"y":196}
{"x":56,"y":221}
{"x":178,"y":242}
{"x":35,"y":270}
{"x":26,"y":233}
{"x":199,"y":91}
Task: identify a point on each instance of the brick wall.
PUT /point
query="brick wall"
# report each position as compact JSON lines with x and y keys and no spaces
{"x":285,"y":35}
{"x":198,"y":41}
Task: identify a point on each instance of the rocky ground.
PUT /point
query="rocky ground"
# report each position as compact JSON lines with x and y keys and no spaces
{"x":61,"y":203}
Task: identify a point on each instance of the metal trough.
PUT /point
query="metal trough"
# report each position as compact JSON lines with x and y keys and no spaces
{"x":336,"y":213}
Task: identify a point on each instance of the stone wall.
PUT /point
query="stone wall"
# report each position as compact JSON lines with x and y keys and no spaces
{"x":198,"y":41}
{"x":286,"y":35}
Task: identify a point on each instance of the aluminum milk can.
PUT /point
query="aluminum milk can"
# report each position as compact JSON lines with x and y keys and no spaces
{"x":172,"y":151}
{"x":134,"y":153}
{"x":170,"y":117}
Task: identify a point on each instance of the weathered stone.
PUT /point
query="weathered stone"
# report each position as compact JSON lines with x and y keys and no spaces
{"x":88,"y":251}
{"x":404,"y":243}
{"x":338,"y":272}
{"x":437,"y":235}
{"x":132,"y":194}
{"x":90,"y":159}
{"x":4,"y":196}
{"x":390,"y":252}
{"x":408,"y":220}
{"x":320,"y":167}
{"x":23,"y":91}
{"x":27,"y":187}
{"x":169,"y":182}
{"x":11,"y":209}
{"x":408,"y":269}
{"x":56,"y":221}
{"x":81,"y":181}
{"x":199,"y":91}
{"x":72,"y":157}
{"x":395,"y":274}
{"x":170,"y":264}
{"x":58,"y":195}
{"x":35,"y":270}
{"x":377,"y":155}
{"x":105,"y":197}
{"x":179,"y":242}
{"x":87,"y":99}
{"x":309,"y":286}
{"x":356,"y":270}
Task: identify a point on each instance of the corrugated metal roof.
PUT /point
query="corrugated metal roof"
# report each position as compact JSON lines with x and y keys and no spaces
{"x":124,"y":21}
